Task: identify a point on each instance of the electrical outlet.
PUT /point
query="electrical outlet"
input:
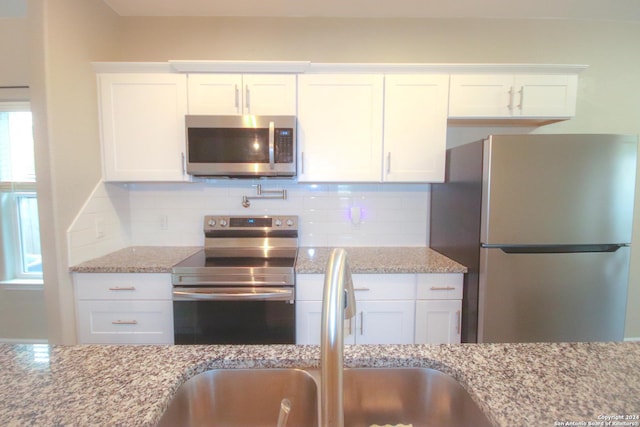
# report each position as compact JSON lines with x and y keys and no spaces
{"x":99,"y":223}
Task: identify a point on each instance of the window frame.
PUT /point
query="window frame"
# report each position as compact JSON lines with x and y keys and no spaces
{"x":11,"y":268}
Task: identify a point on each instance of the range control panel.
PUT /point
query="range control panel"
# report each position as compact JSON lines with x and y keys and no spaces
{"x":241,"y":222}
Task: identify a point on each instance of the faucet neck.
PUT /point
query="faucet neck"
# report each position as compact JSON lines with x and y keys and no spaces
{"x":338,"y":303}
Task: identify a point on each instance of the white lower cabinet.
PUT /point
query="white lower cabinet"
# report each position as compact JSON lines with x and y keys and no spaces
{"x":385,"y":309}
{"x":381,"y":322}
{"x":438,"y":308}
{"x":124,"y":308}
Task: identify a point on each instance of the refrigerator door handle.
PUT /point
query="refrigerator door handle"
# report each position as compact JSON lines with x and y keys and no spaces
{"x":556,"y":249}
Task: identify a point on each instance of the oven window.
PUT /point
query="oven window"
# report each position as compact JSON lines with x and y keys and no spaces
{"x":234,"y":322}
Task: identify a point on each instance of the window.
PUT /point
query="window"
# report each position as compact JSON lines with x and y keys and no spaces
{"x":19,"y":231}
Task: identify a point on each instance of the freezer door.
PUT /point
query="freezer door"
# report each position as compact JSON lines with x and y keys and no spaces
{"x":558,"y":189}
{"x":550,"y":297}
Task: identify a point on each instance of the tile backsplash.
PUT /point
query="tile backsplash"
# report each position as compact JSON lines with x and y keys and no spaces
{"x":156,"y":214}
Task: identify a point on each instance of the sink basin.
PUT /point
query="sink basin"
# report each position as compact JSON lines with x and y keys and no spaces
{"x":243,"y":397}
{"x":251,"y":398}
{"x":419,"y":396}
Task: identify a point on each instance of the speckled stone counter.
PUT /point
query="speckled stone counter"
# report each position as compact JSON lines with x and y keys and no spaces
{"x":514,"y":384}
{"x":138,"y":259}
{"x":160,"y":259}
{"x":380,"y":260}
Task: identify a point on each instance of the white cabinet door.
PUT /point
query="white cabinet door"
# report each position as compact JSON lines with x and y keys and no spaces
{"x":237,"y":94}
{"x":270,"y":94}
{"x":340,"y":127}
{"x":438,"y":321}
{"x":384,"y":322}
{"x":480,"y":95}
{"x":142,"y":126}
{"x":376,"y":322}
{"x":215,"y":94}
{"x":308,"y":322}
{"x":512,"y":96}
{"x":384,"y":309}
{"x":415,"y":127}
{"x":546,"y":96}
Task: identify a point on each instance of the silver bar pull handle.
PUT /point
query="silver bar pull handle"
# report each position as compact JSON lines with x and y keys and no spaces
{"x":123,"y":288}
{"x":272,"y":139}
{"x":521,"y":92}
{"x":184,"y":163}
{"x":247,"y":103}
{"x":442,"y":288}
{"x":459,"y":319}
{"x":237,"y":93}
{"x":124,"y":322}
{"x":510,"y":106}
{"x":362,"y":323}
{"x":389,"y":162}
{"x":361,"y":289}
{"x":302,"y":163}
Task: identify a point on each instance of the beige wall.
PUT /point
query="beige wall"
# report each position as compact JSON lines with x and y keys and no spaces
{"x":66,"y":36}
{"x":609,"y":99}
{"x":14,"y":51}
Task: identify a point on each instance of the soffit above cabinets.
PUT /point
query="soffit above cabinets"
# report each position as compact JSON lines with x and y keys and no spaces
{"x":619,"y":10}
{"x":301,"y":67}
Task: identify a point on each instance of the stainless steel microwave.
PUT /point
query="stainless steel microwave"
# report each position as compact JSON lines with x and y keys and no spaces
{"x":241,"y":146}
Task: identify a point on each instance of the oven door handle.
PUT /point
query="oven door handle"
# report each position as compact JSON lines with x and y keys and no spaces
{"x":233,"y":294}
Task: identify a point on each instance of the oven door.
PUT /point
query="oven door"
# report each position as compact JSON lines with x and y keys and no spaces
{"x":234,"y":315}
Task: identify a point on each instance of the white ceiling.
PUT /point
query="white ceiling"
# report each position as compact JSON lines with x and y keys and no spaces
{"x":616,"y":10}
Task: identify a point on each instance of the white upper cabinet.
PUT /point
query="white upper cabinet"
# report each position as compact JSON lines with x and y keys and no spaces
{"x":415,"y":127}
{"x":142,"y":126}
{"x":340,"y":120}
{"x":512,"y":96}
{"x":239,"y":94}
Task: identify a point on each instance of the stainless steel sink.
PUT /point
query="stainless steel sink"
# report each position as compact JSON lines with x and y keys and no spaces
{"x":244,"y":397}
{"x":419,"y":396}
{"x":251,"y":398}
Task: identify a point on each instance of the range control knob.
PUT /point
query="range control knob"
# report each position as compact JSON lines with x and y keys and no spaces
{"x":290,"y":222}
{"x":278,"y":222}
{"x":223,"y":223}
{"x":212,"y":223}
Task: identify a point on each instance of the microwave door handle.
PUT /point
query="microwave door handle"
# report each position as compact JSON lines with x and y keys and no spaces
{"x":272,"y":137}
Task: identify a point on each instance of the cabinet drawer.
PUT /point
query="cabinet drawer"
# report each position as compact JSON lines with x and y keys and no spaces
{"x":368,"y":287}
{"x":123,"y":286}
{"x":439,"y":286}
{"x":125,"y":322}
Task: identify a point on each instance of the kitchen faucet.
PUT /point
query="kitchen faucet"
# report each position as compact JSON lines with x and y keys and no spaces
{"x":338,"y":303}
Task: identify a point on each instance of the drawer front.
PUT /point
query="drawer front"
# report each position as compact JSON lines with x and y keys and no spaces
{"x":123,"y":286}
{"x":371,"y":287}
{"x":125,"y":322}
{"x":439,"y":286}
{"x":368,"y":287}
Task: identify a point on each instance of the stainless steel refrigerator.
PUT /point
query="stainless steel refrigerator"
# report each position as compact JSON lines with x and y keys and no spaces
{"x":543,"y":222}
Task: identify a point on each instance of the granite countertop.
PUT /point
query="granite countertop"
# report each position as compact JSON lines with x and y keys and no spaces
{"x":514,"y":384}
{"x":160,"y":259}
{"x":380,"y":260}
{"x":137,"y":259}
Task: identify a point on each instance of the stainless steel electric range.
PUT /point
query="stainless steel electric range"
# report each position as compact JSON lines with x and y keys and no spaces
{"x":240,"y":289}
